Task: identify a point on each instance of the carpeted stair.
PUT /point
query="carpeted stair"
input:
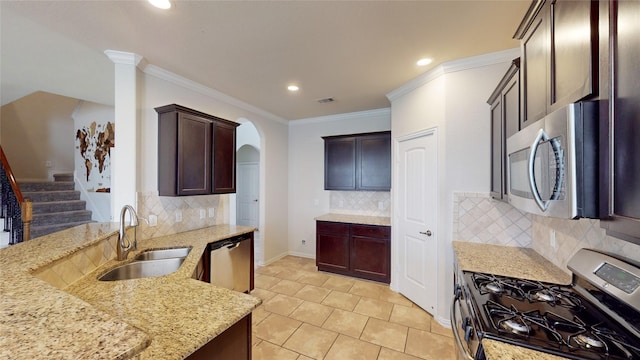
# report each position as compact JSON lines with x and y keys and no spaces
{"x":56,"y":205}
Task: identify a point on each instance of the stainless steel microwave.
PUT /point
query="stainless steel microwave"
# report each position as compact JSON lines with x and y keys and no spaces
{"x":552,"y":164}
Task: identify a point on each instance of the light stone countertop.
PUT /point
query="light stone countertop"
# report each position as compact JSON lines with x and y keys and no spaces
{"x":166,"y":317}
{"x":356,"y":219}
{"x":509,"y":261}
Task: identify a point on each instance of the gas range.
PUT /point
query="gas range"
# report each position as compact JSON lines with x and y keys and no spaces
{"x":596,"y":317}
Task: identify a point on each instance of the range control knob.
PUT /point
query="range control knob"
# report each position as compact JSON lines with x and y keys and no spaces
{"x":468,"y":333}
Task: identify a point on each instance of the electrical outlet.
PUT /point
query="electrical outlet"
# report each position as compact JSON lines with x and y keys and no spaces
{"x":304,"y":242}
{"x":178,"y":215}
{"x":552,"y":239}
{"x":212,"y":212}
{"x":316,"y":202}
{"x":48,"y":163}
{"x":380,"y":205}
{"x":341,"y":203}
{"x":203,"y":213}
{"x":153,"y":220}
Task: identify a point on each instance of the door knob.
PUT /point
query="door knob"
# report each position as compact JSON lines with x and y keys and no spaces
{"x":255,"y":200}
{"x":428,"y":232}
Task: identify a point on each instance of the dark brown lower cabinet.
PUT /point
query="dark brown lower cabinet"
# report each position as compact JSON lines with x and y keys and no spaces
{"x":233,"y":344}
{"x":362,"y":251}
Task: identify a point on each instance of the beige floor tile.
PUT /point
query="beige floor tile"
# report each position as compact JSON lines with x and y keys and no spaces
{"x":338,"y":283}
{"x":290,"y":274}
{"x":268,"y":270}
{"x":346,"y":322}
{"x":436,"y":328}
{"x":346,"y":347}
{"x":341,"y":300}
{"x":426,"y":345}
{"x":374,"y":308}
{"x":255,"y":340}
{"x":367,"y":289}
{"x":258,"y":315}
{"x":385,"y":334}
{"x":286,"y":287}
{"x":394,"y":297}
{"x":313,"y":278}
{"x":276,"y":329}
{"x":282,"y":304}
{"x":312,"y":313}
{"x":312,"y":293}
{"x":263,"y":294}
{"x":302,"y":357}
{"x":268,"y":351}
{"x":311,"y":341}
{"x":411,"y":317}
{"x":388,"y":354}
{"x":265,"y":281}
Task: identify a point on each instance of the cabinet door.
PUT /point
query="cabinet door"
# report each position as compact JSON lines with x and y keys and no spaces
{"x":371,"y":252}
{"x":374,"y":162}
{"x":332,"y":246}
{"x":340,"y":164}
{"x":224,"y":158}
{"x":535,"y":52}
{"x":574,"y":51}
{"x":193,"y":155}
{"x":233,"y":344}
{"x":626,"y":123}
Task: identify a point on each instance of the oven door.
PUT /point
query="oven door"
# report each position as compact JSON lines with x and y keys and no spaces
{"x":464,"y":334}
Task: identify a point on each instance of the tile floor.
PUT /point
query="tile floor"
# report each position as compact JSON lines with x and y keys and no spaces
{"x":308,"y":314}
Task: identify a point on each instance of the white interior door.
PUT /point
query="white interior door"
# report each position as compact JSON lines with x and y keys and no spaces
{"x":416,"y":219}
{"x":247,"y":194}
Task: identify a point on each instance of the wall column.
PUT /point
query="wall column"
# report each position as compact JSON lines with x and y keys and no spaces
{"x":124,"y":156}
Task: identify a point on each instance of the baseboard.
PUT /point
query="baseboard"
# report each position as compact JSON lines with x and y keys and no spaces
{"x":446,"y":322}
{"x":302,"y":255}
{"x":274,"y":259}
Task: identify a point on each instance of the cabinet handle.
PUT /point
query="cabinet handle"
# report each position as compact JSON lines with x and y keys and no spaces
{"x":428,"y":232}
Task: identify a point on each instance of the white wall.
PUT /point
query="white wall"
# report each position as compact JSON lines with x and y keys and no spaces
{"x":35,"y":129}
{"x":158,"y":88}
{"x":453,"y":98}
{"x":307,"y":197}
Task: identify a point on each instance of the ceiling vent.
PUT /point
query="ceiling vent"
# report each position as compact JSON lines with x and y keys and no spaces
{"x":326,"y":100}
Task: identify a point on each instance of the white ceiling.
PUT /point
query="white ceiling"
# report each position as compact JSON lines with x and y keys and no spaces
{"x":353,"y":51}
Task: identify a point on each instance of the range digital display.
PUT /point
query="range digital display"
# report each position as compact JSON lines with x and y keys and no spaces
{"x":619,"y":278}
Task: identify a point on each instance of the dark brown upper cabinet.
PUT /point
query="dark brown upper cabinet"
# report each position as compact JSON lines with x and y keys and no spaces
{"x":624,"y":221}
{"x":196,"y":152}
{"x":505,"y":121}
{"x":559,"y":44}
{"x":358,"y":162}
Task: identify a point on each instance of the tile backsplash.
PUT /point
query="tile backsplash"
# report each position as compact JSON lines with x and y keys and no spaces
{"x":572,"y":235}
{"x":370,"y":203}
{"x":190,"y":207}
{"x":479,"y":218}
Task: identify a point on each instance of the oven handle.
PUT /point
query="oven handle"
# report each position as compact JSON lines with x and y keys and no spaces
{"x":465,"y":353}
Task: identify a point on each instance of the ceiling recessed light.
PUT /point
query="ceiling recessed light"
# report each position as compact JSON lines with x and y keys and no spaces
{"x":293,"y":88}
{"x":161,"y":4}
{"x":424,"y":62}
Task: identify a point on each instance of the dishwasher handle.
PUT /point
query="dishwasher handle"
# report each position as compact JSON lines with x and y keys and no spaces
{"x":230,"y":243}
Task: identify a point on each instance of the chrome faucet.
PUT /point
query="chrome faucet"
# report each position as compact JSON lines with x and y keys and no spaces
{"x":124,"y":243}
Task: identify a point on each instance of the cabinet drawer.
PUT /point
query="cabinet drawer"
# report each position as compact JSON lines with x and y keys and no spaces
{"x":375,"y":231}
{"x":332,"y":227}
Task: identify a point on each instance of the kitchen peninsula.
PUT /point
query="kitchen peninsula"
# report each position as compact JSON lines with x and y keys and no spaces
{"x":53,"y":306}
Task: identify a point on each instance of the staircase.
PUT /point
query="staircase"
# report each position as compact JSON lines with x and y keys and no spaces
{"x":56,"y":205}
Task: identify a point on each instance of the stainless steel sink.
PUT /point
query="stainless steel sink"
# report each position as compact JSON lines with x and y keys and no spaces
{"x":157,"y":254}
{"x":143,"y":269}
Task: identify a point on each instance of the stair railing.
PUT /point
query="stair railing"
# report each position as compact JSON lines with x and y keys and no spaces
{"x":16,"y":210}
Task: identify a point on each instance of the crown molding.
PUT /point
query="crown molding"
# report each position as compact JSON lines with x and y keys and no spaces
{"x":122,"y":57}
{"x":342,"y":117}
{"x":453,"y":66}
{"x":163,"y":74}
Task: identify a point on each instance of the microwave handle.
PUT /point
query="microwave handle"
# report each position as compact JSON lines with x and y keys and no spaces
{"x":542,"y":136}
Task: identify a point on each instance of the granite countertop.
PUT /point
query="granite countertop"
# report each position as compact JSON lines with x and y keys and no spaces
{"x":166,"y":317}
{"x":356,"y":219}
{"x":514,"y":262}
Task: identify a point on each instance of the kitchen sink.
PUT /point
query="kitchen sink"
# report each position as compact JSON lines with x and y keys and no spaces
{"x":143,"y":269}
{"x":156,"y":254}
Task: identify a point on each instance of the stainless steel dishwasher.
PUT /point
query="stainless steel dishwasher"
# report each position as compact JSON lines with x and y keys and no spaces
{"x":231,"y":263}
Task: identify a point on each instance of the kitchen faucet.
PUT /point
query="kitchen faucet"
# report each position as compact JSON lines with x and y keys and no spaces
{"x":124,"y":243}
